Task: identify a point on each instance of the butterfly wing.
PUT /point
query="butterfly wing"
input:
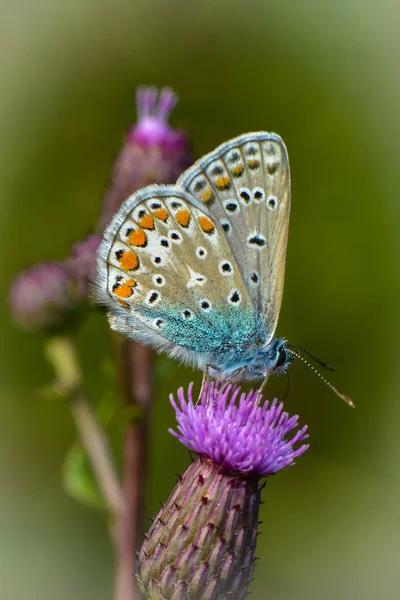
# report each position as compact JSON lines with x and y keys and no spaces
{"x":168,"y":276}
{"x":245,"y":184}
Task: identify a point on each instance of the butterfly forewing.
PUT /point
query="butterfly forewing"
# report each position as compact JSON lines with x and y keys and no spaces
{"x":165,"y":265}
{"x":245,"y":184}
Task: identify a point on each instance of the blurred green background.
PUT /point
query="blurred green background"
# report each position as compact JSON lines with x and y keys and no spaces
{"x":325,"y":77}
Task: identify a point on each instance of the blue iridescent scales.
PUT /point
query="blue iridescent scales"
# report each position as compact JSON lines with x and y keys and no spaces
{"x":196,"y":269}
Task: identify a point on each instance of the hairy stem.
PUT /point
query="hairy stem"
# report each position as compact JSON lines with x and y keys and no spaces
{"x":135,"y":378}
{"x":61,"y":353}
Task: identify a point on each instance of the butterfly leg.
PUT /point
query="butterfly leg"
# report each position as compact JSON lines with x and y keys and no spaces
{"x":228,"y":380}
{"x":235,"y":375}
{"x":206,"y":376}
{"x":260,"y":389}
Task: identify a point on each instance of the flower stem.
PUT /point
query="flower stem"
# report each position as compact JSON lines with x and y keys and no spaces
{"x":134,"y":363}
{"x":61,"y":353}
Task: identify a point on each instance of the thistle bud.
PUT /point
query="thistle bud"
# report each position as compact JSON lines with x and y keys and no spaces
{"x":202,"y":543}
{"x":153,"y":151}
{"x":42,"y":299}
{"x":81,"y":263}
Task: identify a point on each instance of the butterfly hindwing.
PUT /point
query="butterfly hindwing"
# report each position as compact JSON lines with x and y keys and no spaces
{"x":245,"y":184}
{"x":168,"y":275}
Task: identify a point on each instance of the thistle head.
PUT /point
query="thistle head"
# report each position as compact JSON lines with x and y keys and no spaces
{"x":153,"y":151}
{"x":43,"y":299}
{"x":202,"y":542}
{"x":152,"y":128}
{"x":238,"y":433}
{"x":81,"y":263}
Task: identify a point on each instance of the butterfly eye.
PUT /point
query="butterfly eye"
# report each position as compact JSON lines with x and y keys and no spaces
{"x":282,"y":358}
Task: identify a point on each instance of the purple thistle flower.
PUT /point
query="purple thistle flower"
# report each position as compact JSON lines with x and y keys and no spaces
{"x":152,"y":128}
{"x":153,"y":151}
{"x":43,"y":299}
{"x":234,"y":431}
{"x":81,"y":263}
{"x":202,"y":543}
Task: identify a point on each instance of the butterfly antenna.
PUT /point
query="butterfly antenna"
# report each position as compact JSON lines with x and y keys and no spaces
{"x":345,"y":398}
{"x":317,"y":360}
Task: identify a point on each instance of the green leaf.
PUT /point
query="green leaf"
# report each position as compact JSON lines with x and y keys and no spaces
{"x":78,"y":478}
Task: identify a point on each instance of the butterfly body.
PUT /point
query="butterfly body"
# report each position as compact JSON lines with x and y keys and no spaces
{"x":196,"y":269}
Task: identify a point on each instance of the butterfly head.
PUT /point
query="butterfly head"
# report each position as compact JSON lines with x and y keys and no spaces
{"x":272,"y":358}
{"x":277,"y":356}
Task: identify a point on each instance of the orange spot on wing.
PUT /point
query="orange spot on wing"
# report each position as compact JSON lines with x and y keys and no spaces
{"x":147,"y":222}
{"x":129,"y":261}
{"x":123,"y":291}
{"x":183,"y":217}
{"x":131,"y":283}
{"x":206,"y":195}
{"x":253,"y":164}
{"x":237,"y":171}
{"x":206,"y":224}
{"x":123,"y":303}
{"x":161,"y":214}
{"x":222,"y":182}
{"x":137,"y":237}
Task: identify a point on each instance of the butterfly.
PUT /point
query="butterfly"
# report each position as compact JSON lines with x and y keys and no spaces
{"x":196,"y":269}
